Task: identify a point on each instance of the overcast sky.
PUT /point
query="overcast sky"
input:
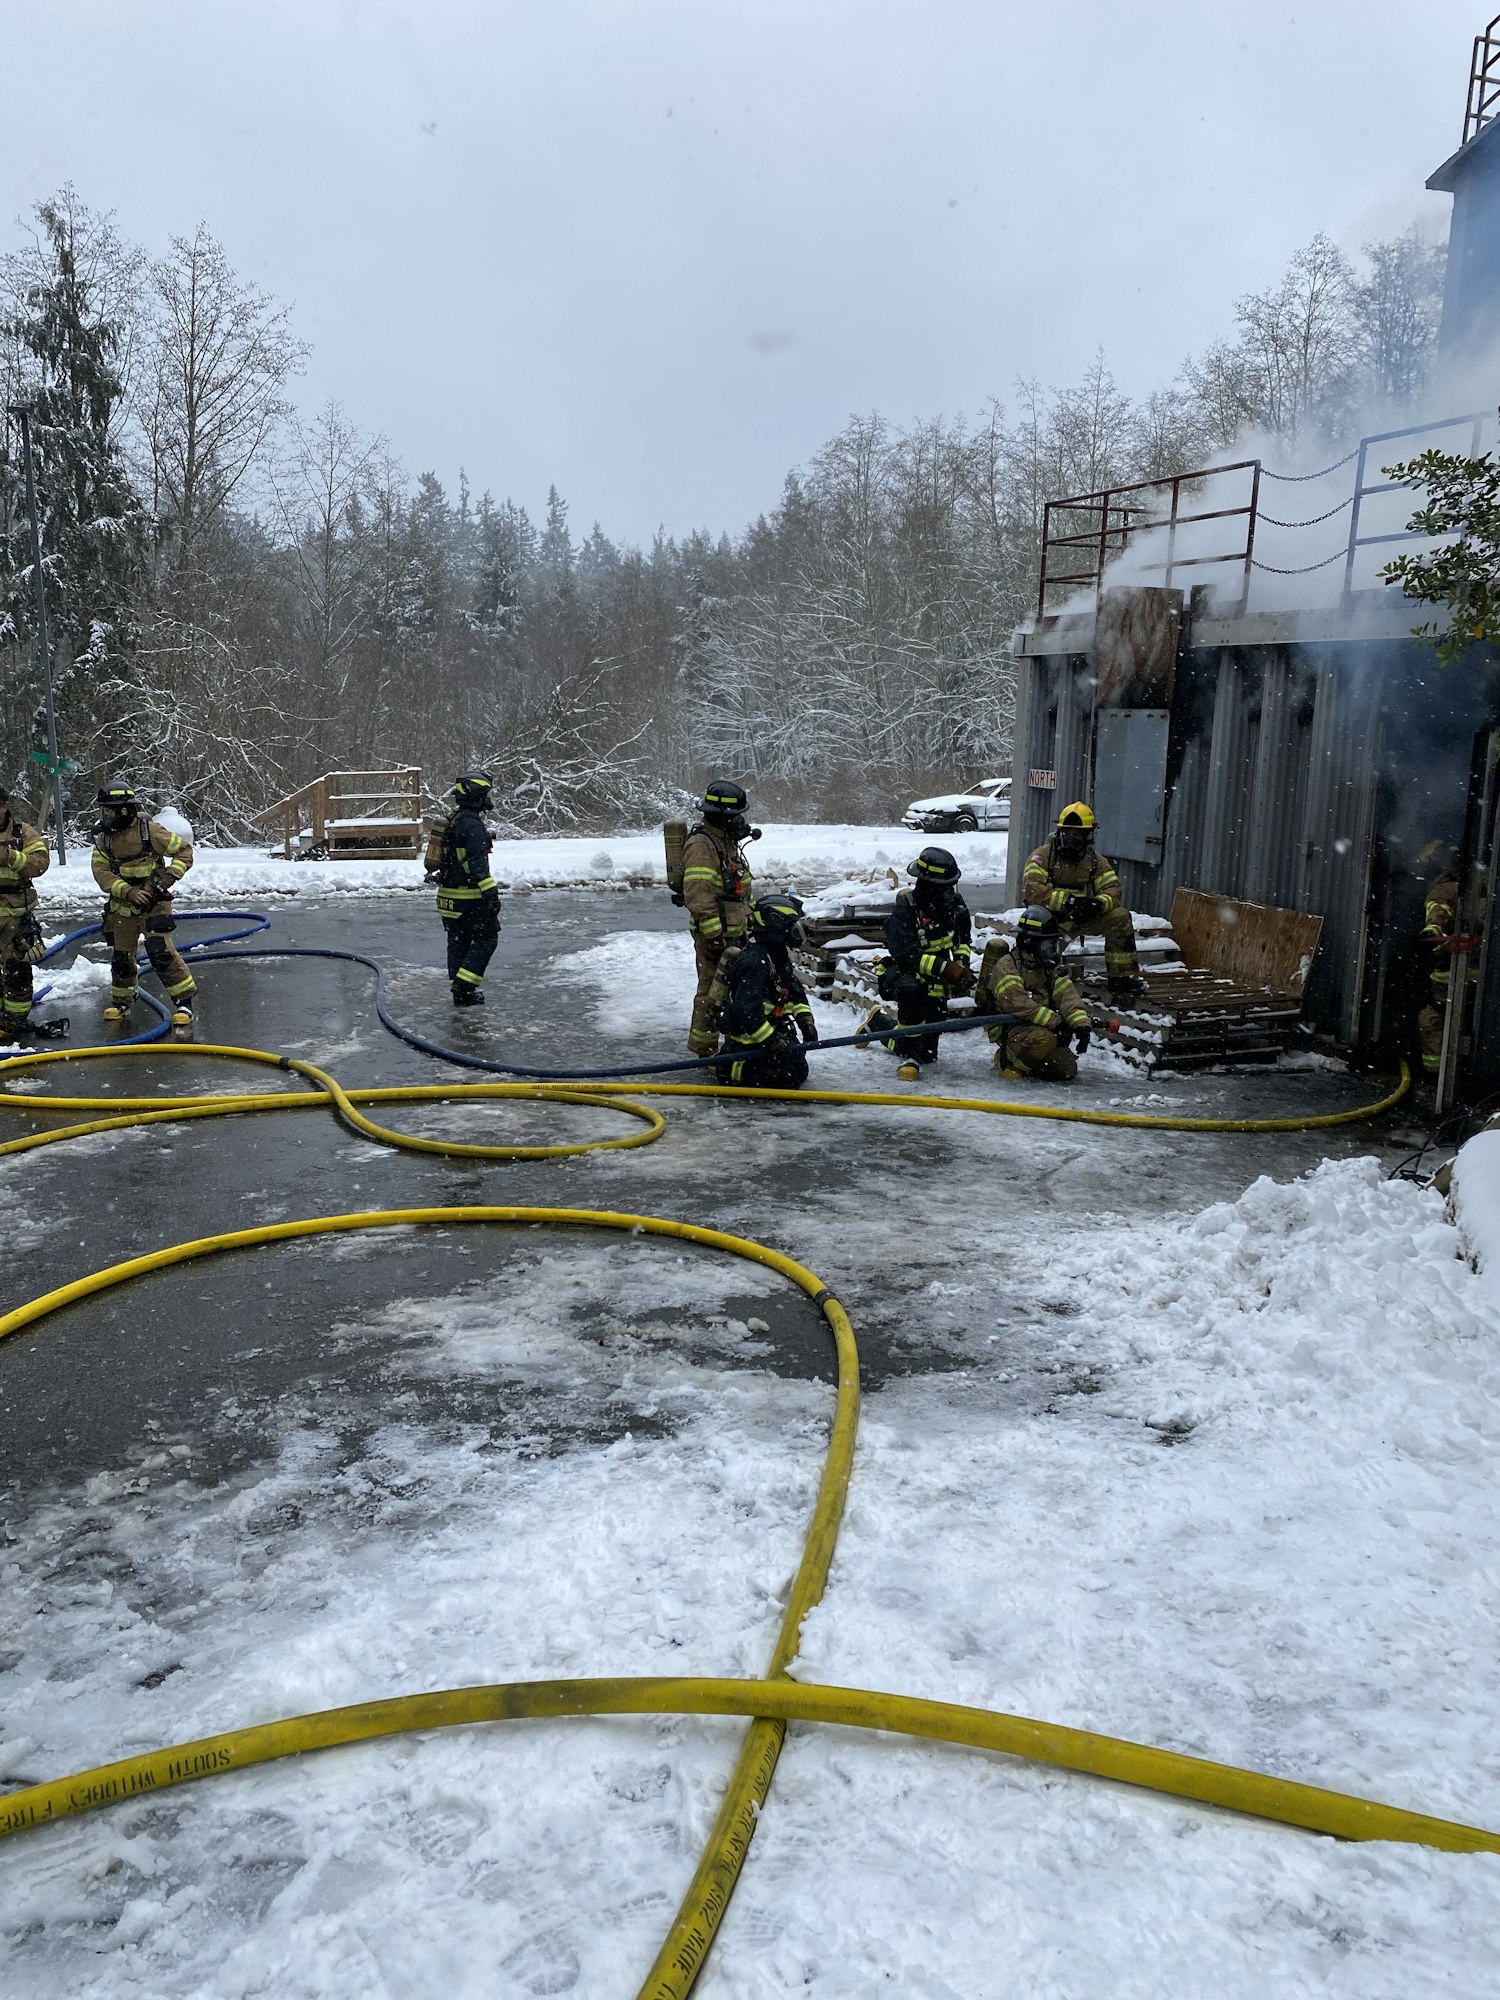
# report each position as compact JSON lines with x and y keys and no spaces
{"x":658,"y":250}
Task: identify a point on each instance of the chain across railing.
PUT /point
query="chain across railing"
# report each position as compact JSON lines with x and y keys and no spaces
{"x":1089,"y":531}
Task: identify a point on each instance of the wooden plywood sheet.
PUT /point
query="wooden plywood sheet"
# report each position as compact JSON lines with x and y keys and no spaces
{"x":1136,"y":636}
{"x":1254,"y":944}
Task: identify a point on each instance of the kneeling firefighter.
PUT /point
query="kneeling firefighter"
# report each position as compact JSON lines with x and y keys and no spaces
{"x":138,"y":863}
{"x":928,"y":941}
{"x":1051,"y":1027}
{"x":468,"y":898}
{"x":764,"y":999}
{"x":23,"y":856}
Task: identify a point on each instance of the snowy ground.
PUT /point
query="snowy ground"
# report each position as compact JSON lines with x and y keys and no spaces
{"x":1218,"y":1478}
{"x":812,"y":856}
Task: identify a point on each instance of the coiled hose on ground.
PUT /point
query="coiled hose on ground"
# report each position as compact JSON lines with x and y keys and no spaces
{"x":771,"y":1702}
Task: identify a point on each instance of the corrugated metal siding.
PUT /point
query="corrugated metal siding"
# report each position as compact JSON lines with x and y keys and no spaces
{"x":1307,"y":775}
{"x":1057,"y":735}
{"x":1273,"y":799}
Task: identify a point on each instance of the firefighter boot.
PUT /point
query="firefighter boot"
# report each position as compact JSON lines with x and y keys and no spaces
{"x":119,"y":1007}
{"x":909,"y":1071}
{"x":467,"y":996}
{"x":182,"y":1017}
{"x":876,"y":1022}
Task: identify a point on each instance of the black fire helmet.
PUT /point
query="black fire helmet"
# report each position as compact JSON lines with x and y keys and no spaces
{"x":473,"y":788}
{"x":935,"y":864}
{"x":1039,"y":935}
{"x":779,"y":918}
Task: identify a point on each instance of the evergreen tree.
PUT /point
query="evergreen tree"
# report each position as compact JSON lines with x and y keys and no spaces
{"x":507,"y":550}
{"x":555,"y":550}
{"x":68,"y":344}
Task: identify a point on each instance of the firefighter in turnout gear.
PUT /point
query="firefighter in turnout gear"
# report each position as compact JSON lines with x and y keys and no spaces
{"x":138,"y":863}
{"x":928,"y":941}
{"x":1439,"y":931}
{"x":1070,"y":877}
{"x":1052,"y":1024}
{"x":764,"y":1000}
{"x":23,"y":856}
{"x":716,"y":889}
{"x":468,"y":898}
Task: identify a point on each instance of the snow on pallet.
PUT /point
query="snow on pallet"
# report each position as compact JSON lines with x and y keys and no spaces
{"x":1224,"y":978}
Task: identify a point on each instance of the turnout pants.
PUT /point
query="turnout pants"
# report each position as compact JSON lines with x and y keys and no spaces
{"x":781,"y":1069}
{"x":703,"y":1035}
{"x":123,"y":931}
{"x":472,"y":937}
{"x":15,"y":971}
{"x":1118,"y":932}
{"x":1036,"y":1052}
{"x":1430,"y":1024}
{"x":915,"y":1005}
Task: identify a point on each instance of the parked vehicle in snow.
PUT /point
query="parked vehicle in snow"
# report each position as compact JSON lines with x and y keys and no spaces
{"x":985,"y":806}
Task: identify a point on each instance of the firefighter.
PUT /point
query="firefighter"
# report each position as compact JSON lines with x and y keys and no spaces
{"x":1051,"y":1030}
{"x":468,"y":898}
{"x":1439,"y":930}
{"x":23,"y":856}
{"x":716,"y":889}
{"x":928,"y":946}
{"x":1069,"y":876}
{"x":138,"y":863}
{"x":764,"y":1000}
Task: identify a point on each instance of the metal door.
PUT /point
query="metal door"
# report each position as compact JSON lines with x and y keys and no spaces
{"x":1130,"y":782}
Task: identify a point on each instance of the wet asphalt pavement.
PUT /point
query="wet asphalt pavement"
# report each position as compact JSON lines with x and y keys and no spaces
{"x":214,"y":1361}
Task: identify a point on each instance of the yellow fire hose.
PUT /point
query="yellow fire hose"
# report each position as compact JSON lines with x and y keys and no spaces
{"x":771,"y":1702}
{"x":1112,"y":1757}
{"x":119,"y":1112}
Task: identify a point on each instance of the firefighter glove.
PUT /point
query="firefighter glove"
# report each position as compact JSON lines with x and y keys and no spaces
{"x":809,"y":1028}
{"x":960,"y":974}
{"x":1080,"y":1041}
{"x":142,"y":898}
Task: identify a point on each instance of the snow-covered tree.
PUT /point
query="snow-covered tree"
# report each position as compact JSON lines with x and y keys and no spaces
{"x":68,"y":346}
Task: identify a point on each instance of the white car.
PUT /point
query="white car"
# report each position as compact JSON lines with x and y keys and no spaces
{"x":985,"y":807}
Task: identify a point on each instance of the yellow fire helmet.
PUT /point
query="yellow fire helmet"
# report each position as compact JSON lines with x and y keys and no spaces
{"x":1077,"y":817}
{"x":1438,"y":853}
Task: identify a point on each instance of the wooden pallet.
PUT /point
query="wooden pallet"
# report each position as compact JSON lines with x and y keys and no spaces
{"x":1202,"y":1005}
{"x":1193,"y":1018}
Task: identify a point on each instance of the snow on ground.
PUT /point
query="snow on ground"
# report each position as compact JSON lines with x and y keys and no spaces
{"x":1228,"y":1488}
{"x":1476,"y":1204}
{"x":638,"y":980}
{"x":808,"y":855}
{"x":423,"y":1557}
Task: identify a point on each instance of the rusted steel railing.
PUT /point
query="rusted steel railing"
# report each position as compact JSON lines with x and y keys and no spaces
{"x":1113,"y":514}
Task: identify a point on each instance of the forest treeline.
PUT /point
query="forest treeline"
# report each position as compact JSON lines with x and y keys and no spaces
{"x":242,"y":595}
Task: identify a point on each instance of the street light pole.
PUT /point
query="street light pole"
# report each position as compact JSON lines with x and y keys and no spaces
{"x":23,"y":417}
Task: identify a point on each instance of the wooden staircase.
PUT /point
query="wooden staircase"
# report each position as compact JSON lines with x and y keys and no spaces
{"x":350,"y":816}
